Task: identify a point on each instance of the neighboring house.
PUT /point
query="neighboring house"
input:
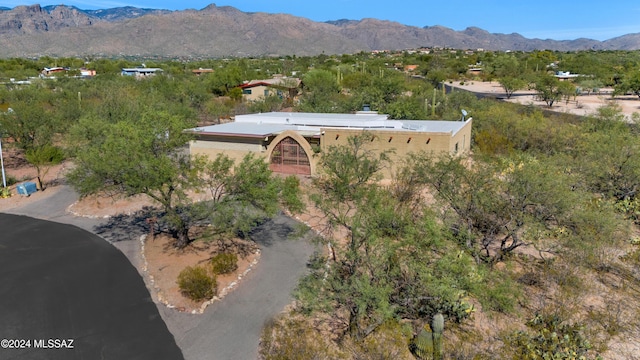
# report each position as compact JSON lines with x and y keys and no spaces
{"x":48,"y":73}
{"x":288,"y":141}
{"x":410,"y":68}
{"x":140,"y":72}
{"x":474,"y":69}
{"x":565,"y":75}
{"x":283,"y":87}
{"x":53,"y":70}
{"x":87,"y":72}
{"x":201,"y":71}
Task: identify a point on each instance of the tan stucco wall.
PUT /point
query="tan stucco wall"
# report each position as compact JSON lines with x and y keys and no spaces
{"x":402,"y":143}
{"x":232,"y":147}
{"x":257,"y":93}
{"x":463,"y":138}
{"x":237,"y":148}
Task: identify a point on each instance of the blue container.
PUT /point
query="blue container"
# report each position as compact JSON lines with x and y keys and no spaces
{"x":26,"y":188}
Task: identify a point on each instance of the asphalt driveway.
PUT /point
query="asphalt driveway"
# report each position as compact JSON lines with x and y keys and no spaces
{"x":229,"y":329}
{"x":68,"y":294}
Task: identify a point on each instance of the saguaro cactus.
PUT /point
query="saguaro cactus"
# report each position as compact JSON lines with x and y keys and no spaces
{"x":437,"y":324}
{"x":428,"y":343}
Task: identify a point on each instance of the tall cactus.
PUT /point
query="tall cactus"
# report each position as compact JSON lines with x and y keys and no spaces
{"x":428,"y":344}
{"x":437,"y":324}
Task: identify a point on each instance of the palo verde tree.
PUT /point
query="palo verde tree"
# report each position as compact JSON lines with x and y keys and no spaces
{"x":495,"y":208}
{"x":43,"y":158}
{"x":630,"y":83}
{"x":321,"y":92}
{"x":147,"y":155}
{"x":386,"y":261}
{"x":31,"y":121}
{"x":142,"y":155}
{"x":506,"y":68}
{"x":243,"y":194}
{"x":548,"y":88}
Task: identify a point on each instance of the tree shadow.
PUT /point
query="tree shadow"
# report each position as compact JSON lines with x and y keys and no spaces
{"x":125,"y":227}
{"x":279,"y":228}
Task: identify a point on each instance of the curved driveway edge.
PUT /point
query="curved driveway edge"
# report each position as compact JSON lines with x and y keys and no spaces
{"x":228,"y":329}
{"x":67,"y":294}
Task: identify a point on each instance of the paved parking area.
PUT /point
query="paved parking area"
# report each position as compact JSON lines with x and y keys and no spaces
{"x":228,"y":330}
{"x":68,"y":294}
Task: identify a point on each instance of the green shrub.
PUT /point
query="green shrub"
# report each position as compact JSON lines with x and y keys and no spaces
{"x":549,"y":338}
{"x":500,"y":294}
{"x":295,"y":339}
{"x":224,"y":263}
{"x":197,"y":284}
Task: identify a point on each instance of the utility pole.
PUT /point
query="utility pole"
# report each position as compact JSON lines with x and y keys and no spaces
{"x":4,"y":179}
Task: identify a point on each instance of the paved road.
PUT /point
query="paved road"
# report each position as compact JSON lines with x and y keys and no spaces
{"x":62,"y":283}
{"x":229,"y":329}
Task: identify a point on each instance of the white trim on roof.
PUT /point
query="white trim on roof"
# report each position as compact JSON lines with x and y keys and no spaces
{"x":273,"y":123}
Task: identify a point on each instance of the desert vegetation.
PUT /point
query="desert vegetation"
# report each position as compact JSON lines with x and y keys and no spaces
{"x":525,"y":248}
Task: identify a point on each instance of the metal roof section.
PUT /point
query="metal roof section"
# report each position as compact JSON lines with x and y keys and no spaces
{"x":358,"y":120}
{"x":241,"y":129}
{"x":280,"y":81}
{"x":440,"y":126}
{"x":273,"y":123}
{"x":140,"y":71}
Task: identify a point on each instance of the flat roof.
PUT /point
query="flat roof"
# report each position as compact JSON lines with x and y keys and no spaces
{"x":273,"y":123}
{"x":241,"y":129}
{"x":141,"y":69}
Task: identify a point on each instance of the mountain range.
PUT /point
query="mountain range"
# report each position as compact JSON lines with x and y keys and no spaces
{"x":29,"y":31}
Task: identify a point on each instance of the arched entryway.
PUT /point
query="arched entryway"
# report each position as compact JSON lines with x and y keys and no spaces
{"x":288,"y":157}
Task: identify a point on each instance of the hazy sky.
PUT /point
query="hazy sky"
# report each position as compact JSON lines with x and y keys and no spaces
{"x":559,"y":19}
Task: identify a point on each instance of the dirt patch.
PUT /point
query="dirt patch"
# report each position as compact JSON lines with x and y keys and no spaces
{"x":582,"y":105}
{"x":19,"y":171}
{"x":164,"y":262}
{"x":103,"y":206}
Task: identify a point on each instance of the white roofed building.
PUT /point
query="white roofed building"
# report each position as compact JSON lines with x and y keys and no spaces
{"x":290,"y":140}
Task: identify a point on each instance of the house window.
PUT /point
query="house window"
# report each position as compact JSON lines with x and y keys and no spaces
{"x":266,"y":92}
{"x":246,"y":91}
{"x":455,"y":150}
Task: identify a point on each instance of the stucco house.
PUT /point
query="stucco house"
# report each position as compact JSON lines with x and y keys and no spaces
{"x":140,"y":71}
{"x":201,"y":71}
{"x":53,"y":70}
{"x":290,"y":141}
{"x":283,"y":87}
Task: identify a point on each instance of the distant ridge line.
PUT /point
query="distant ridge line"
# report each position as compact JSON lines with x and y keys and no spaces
{"x":60,"y":30}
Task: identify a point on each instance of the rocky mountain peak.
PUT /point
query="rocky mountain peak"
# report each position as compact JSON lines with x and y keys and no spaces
{"x":219,"y":31}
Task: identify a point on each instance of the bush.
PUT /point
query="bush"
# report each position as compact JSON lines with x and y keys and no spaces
{"x":224,"y":263}
{"x":5,"y":192}
{"x":549,"y":338}
{"x":295,"y":339}
{"x":197,"y":284}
